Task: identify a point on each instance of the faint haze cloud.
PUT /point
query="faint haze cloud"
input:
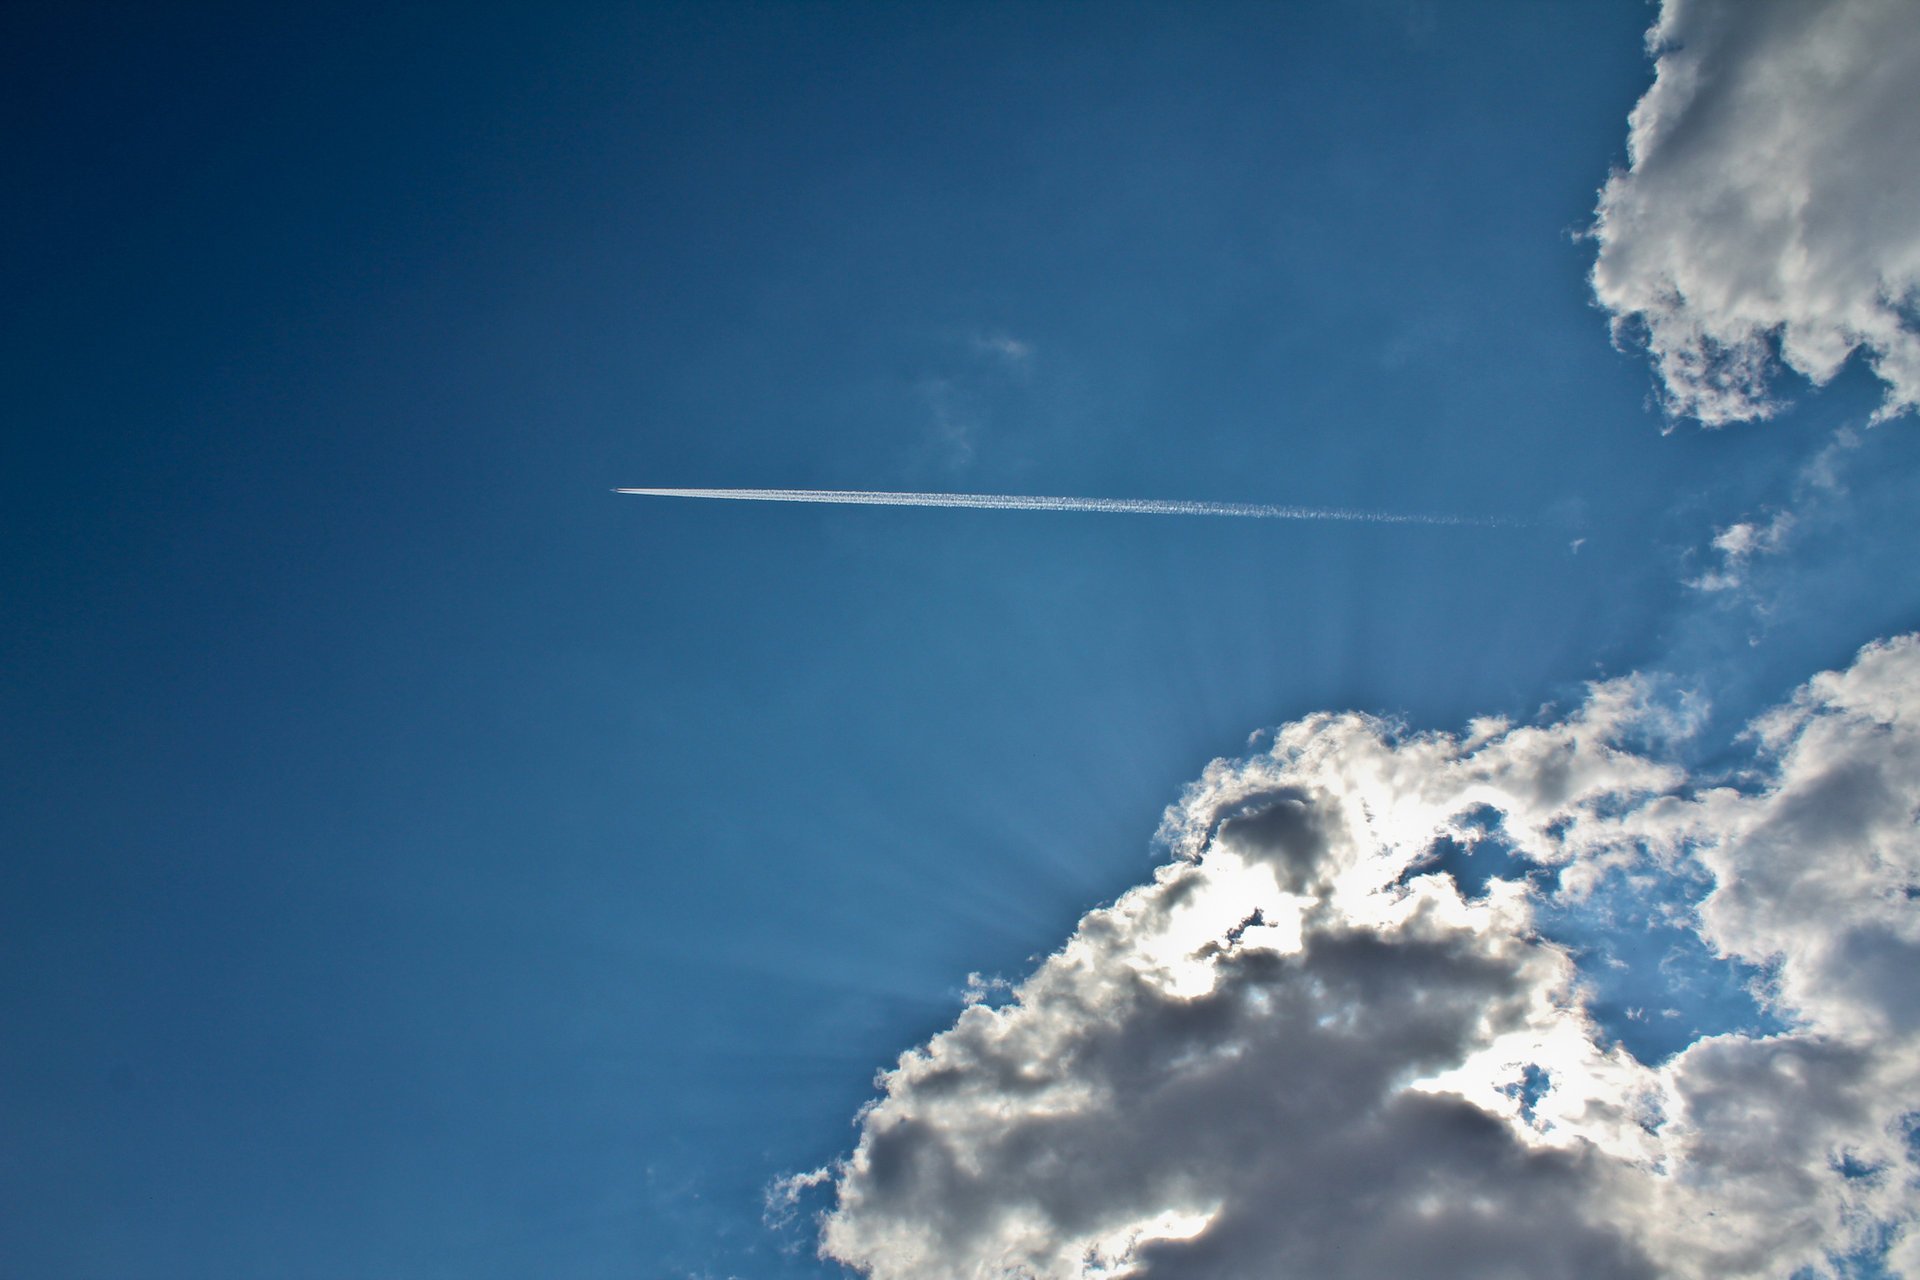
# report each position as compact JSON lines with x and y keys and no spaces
{"x":1005,"y":347}
{"x":975,"y":390}
{"x":1750,"y":565}
{"x":1767,"y":215}
{"x":955,"y":418}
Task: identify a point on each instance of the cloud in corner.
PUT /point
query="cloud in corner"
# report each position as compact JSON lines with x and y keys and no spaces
{"x":1766,"y":216}
{"x":1306,"y":1047}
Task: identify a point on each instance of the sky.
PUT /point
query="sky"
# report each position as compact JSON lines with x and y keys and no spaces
{"x":422,"y":861}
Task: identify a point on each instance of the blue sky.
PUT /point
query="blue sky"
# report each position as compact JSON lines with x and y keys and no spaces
{"x":422,"y":862}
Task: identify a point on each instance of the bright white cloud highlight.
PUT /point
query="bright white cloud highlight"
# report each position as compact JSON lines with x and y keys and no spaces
{"x":1768,"y":210}
{"x":1301,"y":1051}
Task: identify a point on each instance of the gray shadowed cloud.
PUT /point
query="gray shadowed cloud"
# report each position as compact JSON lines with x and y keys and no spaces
{"x":1767,"y":212}
{"x":1301,"y":1050}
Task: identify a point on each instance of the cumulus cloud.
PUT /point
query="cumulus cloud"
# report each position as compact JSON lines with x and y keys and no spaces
{"x":1767,"y":212}
{"x":1302,"y":1050}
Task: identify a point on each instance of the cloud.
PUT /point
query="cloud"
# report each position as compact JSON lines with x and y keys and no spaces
{"x":1005,"y":347}
{"x":1052,"y":502}
{"x":1737,"y":544}
{"x":983,"y":381}
{"x":954,"y":420}
{"x":1302,"y":1049}
{"x":1848,"y":747}
{"x":1816,"y":504}
{"x":1766,"y":215}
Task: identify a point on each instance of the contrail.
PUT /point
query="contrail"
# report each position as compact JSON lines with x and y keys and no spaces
{"x":1039,"y":502}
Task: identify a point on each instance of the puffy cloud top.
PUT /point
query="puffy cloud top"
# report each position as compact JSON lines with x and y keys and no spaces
{"x":1302,"y":1050}
{"x":1769,"y":205}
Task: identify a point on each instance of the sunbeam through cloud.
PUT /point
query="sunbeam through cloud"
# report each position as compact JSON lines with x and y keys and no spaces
{"x":416,"y":864}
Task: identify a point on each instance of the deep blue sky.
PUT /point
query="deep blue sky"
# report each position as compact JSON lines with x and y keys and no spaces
{"x":421,"y":862}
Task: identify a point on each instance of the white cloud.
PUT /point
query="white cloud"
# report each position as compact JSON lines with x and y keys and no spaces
{"x":1737,"y":544}
{"x":1767,"y":213}
{"x":1848,"y":749}
{"x":1815,"y":505}
{"x":1300,"y":1050}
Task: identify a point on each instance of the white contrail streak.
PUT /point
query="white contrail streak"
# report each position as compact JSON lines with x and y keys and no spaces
{"x":1037,"y":502}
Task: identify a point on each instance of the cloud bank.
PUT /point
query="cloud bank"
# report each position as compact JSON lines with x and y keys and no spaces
{"x":1302,"y":1050}
{"x":1767,"y":213}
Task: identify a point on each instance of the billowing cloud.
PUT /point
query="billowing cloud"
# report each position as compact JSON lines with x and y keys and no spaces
{"x":1767,"y":213}
{"x":1303,"y":1050}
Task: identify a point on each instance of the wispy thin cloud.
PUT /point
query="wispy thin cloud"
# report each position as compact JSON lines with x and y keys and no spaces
{"x":1013,"y":350}
{"x":1039,"y":502}
{"x":1737,"y":544}
{"x":1306,"y":1046}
